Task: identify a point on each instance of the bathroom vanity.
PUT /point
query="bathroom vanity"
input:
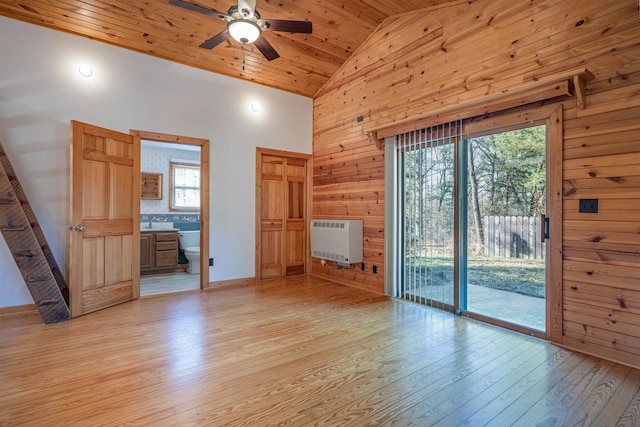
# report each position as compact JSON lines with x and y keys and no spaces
{"x":158,"y":251}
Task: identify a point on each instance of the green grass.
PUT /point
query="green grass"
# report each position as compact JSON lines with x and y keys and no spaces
{"x":523,"y":276}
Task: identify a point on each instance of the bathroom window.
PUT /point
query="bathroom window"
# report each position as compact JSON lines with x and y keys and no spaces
{"x":185,"y":187}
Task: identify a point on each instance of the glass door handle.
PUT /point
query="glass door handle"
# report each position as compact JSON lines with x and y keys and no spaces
{"x":544,"y":228}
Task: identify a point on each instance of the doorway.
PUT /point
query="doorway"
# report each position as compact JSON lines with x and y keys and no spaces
{"x":475,"y":204}
{"x":504,"y":190}
{"x":174,"y":212}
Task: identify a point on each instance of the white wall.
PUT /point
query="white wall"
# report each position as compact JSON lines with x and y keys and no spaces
{"x":41,"y":91}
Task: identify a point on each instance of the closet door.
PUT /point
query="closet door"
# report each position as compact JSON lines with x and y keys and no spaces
{"x":272,"y":212}
{"x":281,"y":211}
{"x":295,"y":221}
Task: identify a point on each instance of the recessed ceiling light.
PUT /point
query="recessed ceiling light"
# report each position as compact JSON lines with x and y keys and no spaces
{"x":255,"y":107}
{"x":85,"y":71}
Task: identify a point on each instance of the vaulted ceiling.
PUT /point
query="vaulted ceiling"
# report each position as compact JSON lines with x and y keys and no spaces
{"x":155,"y":27}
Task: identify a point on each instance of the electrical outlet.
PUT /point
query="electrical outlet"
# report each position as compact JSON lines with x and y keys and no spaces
{"x":210,"y":262}
{"x":362,"y":266}
{"x":375,"y":269}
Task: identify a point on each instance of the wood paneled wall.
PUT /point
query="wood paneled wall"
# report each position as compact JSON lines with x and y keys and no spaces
{"x":415,"y":66}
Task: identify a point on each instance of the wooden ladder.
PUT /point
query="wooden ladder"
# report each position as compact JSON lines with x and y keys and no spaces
{"x":29,"y":248}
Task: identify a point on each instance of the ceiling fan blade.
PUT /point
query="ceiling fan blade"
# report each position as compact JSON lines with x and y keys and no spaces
{"x":304,"y":27}
{"x":195,"y":8}
{"x":266,"y":49}
{"x":215,"y":40}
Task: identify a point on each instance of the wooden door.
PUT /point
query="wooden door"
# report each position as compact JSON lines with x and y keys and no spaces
{"x":282,"y":227}
{"x":104,"y":268}
{"x":272,"y":217}
{"x":295,"y":216}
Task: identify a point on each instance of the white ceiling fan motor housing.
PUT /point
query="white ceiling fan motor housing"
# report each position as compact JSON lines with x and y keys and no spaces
{"x":246,"y":8}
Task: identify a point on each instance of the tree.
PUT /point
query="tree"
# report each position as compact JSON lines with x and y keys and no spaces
{"x":506,"y":175}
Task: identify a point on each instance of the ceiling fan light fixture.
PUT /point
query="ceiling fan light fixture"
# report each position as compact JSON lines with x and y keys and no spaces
{"x":244,"y":30}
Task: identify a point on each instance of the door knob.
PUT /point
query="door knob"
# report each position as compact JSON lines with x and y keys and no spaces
{"x":80,"y":228}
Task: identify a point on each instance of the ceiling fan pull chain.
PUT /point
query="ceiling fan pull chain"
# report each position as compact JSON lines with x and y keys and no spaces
{"x":242,"y":57}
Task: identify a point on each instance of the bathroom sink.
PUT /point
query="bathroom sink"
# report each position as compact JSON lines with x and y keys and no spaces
{"x":166,"y":226}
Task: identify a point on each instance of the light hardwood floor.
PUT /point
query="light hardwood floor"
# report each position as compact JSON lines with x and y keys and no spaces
{"x":300,"y":352}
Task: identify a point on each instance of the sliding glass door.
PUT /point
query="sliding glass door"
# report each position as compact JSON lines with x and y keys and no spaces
{"x":470,"y":220}
{"x":505,"y":199}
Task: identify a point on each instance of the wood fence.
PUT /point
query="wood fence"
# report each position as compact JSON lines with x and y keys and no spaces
{"x":513,"y":237}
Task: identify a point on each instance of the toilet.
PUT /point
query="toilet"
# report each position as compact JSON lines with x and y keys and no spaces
{"x":190,"y":244}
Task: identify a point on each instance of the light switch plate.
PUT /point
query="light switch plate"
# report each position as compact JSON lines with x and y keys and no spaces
{"x":588,"y":206}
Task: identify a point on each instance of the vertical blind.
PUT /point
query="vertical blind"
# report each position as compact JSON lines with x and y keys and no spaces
{"x":426,"y":211}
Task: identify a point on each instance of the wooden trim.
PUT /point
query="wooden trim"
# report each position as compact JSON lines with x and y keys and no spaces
{"x":503,"y":122}
{"x":257,"y":215}
{"x":308,"y":214}
{"x":205,"y":203}
{"x":205,"y":184}
{"x":18,"y":309}
{"x":247,"y":281}
{"x":515,"y":126}
{"x":547,"y":87}
{"x":283,"y":153}
{"x":165,"y":137}
{"x":507,"y":122}
{"x":554,"y":213}
{"x":135,"y":262}
{"x":285,"y":222}
{"x":337,"y":280}
{"x":601,"y":353}
{"x":75,"y":180}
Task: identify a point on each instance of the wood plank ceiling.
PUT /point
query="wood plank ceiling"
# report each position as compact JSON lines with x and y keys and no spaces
{"x":154,"y":27}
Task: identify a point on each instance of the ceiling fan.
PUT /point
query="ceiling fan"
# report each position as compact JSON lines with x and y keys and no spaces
{"x":245,"y":25}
